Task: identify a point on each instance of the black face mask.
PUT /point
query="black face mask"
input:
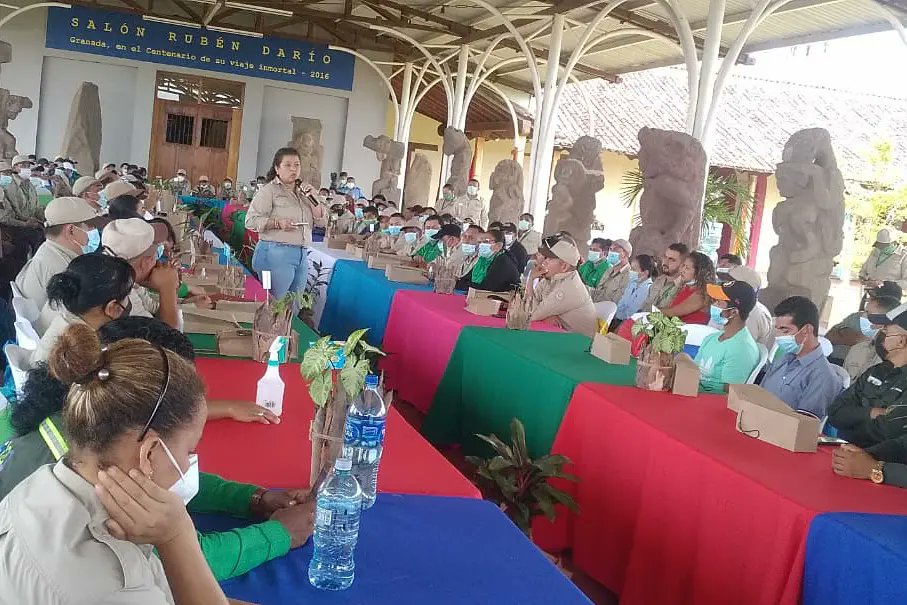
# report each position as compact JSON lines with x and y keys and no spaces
{"x":879,"y":344}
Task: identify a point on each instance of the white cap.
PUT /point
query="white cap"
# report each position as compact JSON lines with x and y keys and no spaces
{"x":343,"y":464}
{"x":128,"y":237}
{"x":884,"y":236}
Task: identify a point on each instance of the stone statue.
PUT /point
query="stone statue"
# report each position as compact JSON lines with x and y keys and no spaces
{"x":82,"y":138}
{"x":10,"y":107}
{"x":417,"y":189}
{"x":390,"y":154}
{"x":673,"y":167}
{"x":577,"y":179}
{"x":506,"y":183}
{"x":457,"y":145}
{"x":809,"y":221}
{"x":307,"y":142}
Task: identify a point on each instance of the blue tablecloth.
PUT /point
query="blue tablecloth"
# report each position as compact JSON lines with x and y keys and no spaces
{"x":359,"y":297}
{"x":418,"y":550}
{"x":856,"y":558}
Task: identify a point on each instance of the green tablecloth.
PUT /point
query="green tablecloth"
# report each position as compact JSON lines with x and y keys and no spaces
{"x":206,"y":344}
{"x":494,"y":375}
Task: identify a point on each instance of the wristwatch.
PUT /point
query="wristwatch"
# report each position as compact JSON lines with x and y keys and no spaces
{"x":877,"y":475}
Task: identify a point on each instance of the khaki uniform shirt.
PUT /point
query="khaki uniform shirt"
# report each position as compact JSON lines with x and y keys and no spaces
{"x":465,"y":207}
{"x":565,"y":298}
{"x":20,"y":203}
{"x":612,"y":285}
{"x":661,"y":293}
{"x":59,"y":324}
{"x":50,"y":258}
{"x":275,"y":201}
{"x":55,"y":549}
{"x":860,"y":358}
{"x":893,"y":268}
{"x":531,"y":240}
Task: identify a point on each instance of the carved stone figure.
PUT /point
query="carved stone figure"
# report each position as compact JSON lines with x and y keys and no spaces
{"x":506,"y":183}
{"x":307,"y":141}
{"x":82,"y":138}
{"x":577,"y":179}
{"x":417,"y":189}
{"x":809,"y":221}
{"x":390,"y":154}
{"x":457,"y":145}
{"x":673,"y":166}
{"x":10,"y":107}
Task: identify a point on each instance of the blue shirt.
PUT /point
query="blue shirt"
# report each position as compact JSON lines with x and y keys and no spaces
{"x":807,"y":383}
{"x":634,"y":296}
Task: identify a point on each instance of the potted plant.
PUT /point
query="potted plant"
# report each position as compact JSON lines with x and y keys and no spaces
{"x":657,"y":339}
{"x":336,"y":374}
{"x":518,"y":484}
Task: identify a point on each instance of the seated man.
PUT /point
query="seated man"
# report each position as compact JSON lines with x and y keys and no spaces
{"x":514,"y":248}
{"x":561,"y":297}
{"x":728,"y":357}
{"x":872,"y":413}
{"x":614,"y":282}
{"x":847,"y":333}
{"x":863,"y":355}
{"x":494,"y":270}
{"x":802,"y":378}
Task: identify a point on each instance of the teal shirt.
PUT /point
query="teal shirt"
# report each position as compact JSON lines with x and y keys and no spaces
{"x":728,"y":361}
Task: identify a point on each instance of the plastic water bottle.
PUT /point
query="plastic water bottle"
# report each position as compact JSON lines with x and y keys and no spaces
{"x":363,"y":438}
{"x":336,"y":530}
{"x":271,"y":386}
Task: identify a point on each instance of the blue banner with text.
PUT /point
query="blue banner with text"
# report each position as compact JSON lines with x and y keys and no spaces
{"x":129,"y":36}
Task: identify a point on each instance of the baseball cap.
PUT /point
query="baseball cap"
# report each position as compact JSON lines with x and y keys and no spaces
{"x":746,"y":275}
{"x":21,"y":159}
{"x":561,"y":247}
{"x":128,"y":237}
{"x":883,"y":237}
{"x":82,"y":184}
{"x":447,"y":230}
{"x":740,"y":294}
{"x":68,"y":211}
{"x":118,"y":188}
{"x":888,"y":288}
{"x":623,"y":244}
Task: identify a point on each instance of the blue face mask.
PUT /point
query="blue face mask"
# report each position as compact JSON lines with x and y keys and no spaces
{"x":94,"y":241}
{"x":468,"y":249}
{"x":5,"y":179}
{"x":431,"y":232}
{"x":715,"y":312}
{"x":789,"y":344}
{"x":359,"y":213}
{"x":410,"y":238}
{"x":867,"y":329}
{"x":485,"y":250}
{"x":613,"y":258}
{"x":394,"y":229}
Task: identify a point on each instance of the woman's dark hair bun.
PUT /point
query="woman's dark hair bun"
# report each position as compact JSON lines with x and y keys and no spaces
{"x":77,"y":356}
{"x":63,"y":287}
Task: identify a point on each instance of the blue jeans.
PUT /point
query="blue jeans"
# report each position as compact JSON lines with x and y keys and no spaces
{"x":288,"y":264}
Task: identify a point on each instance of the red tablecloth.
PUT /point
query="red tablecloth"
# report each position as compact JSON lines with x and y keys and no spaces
{"x":421,"y":333}
{"x":677,"y":507}
{"x":279,"y":455}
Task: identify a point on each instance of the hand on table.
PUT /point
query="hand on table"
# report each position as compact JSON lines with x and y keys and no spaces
{"x":140,"y":510}
{"x":850,"y":461}
{"x":298,"y":520}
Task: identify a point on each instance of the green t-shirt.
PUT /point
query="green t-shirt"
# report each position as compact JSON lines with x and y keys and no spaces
{"x":728,"y":361}
{"x":592,"y":272}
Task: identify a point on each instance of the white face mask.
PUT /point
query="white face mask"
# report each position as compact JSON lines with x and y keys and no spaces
{"x":186,"y":487}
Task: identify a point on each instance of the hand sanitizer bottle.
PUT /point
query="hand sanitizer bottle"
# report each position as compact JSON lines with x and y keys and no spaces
{"x":271,"y":387}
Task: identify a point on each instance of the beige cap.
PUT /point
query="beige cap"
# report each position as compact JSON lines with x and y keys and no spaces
{"x":128,"y":237}
{"x":68,"y":211}
{"x":83,"y":183}
{"x":21,"y":159}
{"x":622,"y":243}
{"x":564,"y":250}
{"x":118,"y":188}
{"x":746,"y":275}
{"x":884,"y":237}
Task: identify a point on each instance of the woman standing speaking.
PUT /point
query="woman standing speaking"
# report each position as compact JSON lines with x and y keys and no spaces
{"x":283,"y":215}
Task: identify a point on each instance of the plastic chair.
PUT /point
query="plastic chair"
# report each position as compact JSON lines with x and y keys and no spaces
{"x":763,"y":359}
{"x":696,"y":333}
{"x":19,"y":361}
{"x":26,"y":336}
{"x":26,"y":309}
{"x":606,"y":310}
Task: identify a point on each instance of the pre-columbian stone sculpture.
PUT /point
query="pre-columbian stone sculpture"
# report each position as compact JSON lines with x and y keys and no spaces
{"x":506,"y":183}
{"x":457,"y":145}
{"x":390,"y":154}
{"x":577,"y":178}
{"x":307,"y":141}
{"x":417,"y":189}
{"x":673,"y":166}
{"x":82,"y":138}
{"x":809,"y":221}
{"x":10,"y":107}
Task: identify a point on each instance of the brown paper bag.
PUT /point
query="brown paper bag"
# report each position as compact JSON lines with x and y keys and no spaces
{"x":483,"y":306}
{"x":686,"y":376}
{"x":399,"y":273}
{"x":611,"y":348}
{"x":763,"y":416}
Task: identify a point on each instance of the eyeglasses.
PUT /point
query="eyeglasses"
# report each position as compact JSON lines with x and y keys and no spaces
{"x":160,"y":399}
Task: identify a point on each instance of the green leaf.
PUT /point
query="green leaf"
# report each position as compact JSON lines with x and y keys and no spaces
{"x":320,"y":389}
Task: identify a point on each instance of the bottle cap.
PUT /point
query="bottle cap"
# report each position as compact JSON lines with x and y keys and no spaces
{"x":371,"y":381}
{"x":343,"y":464}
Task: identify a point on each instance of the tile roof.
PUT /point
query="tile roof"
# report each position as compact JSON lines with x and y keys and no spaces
{"x":755,"y":119}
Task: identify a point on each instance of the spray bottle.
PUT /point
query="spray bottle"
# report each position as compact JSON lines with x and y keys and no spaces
{"x":271,"y":387}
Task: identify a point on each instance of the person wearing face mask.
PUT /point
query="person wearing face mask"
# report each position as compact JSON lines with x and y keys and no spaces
{"x":469,"y":205}
{"x":691,"y":302}
{"x":643,"y":269}
{"x":730,"y":356}
{"x":614,"y":282}
{"x":71,"y":229}
{"x":886,"y":262}
{"x":204,"y":189}
{"x":560,"y":297}
{"x":802,"y":378}
{"x":514,"y":248}
{"x":89,"y":189}
{"x":862,"y":355}
{"x":849,"y":331}
{"x":596,"y":264}
{"x":428,"y":248}
{"x":493,"y":270}
{"x":179,"y":185}
{"x":226,"y":192}
{"x":872,"y":413}
{"x":133,"y":240}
